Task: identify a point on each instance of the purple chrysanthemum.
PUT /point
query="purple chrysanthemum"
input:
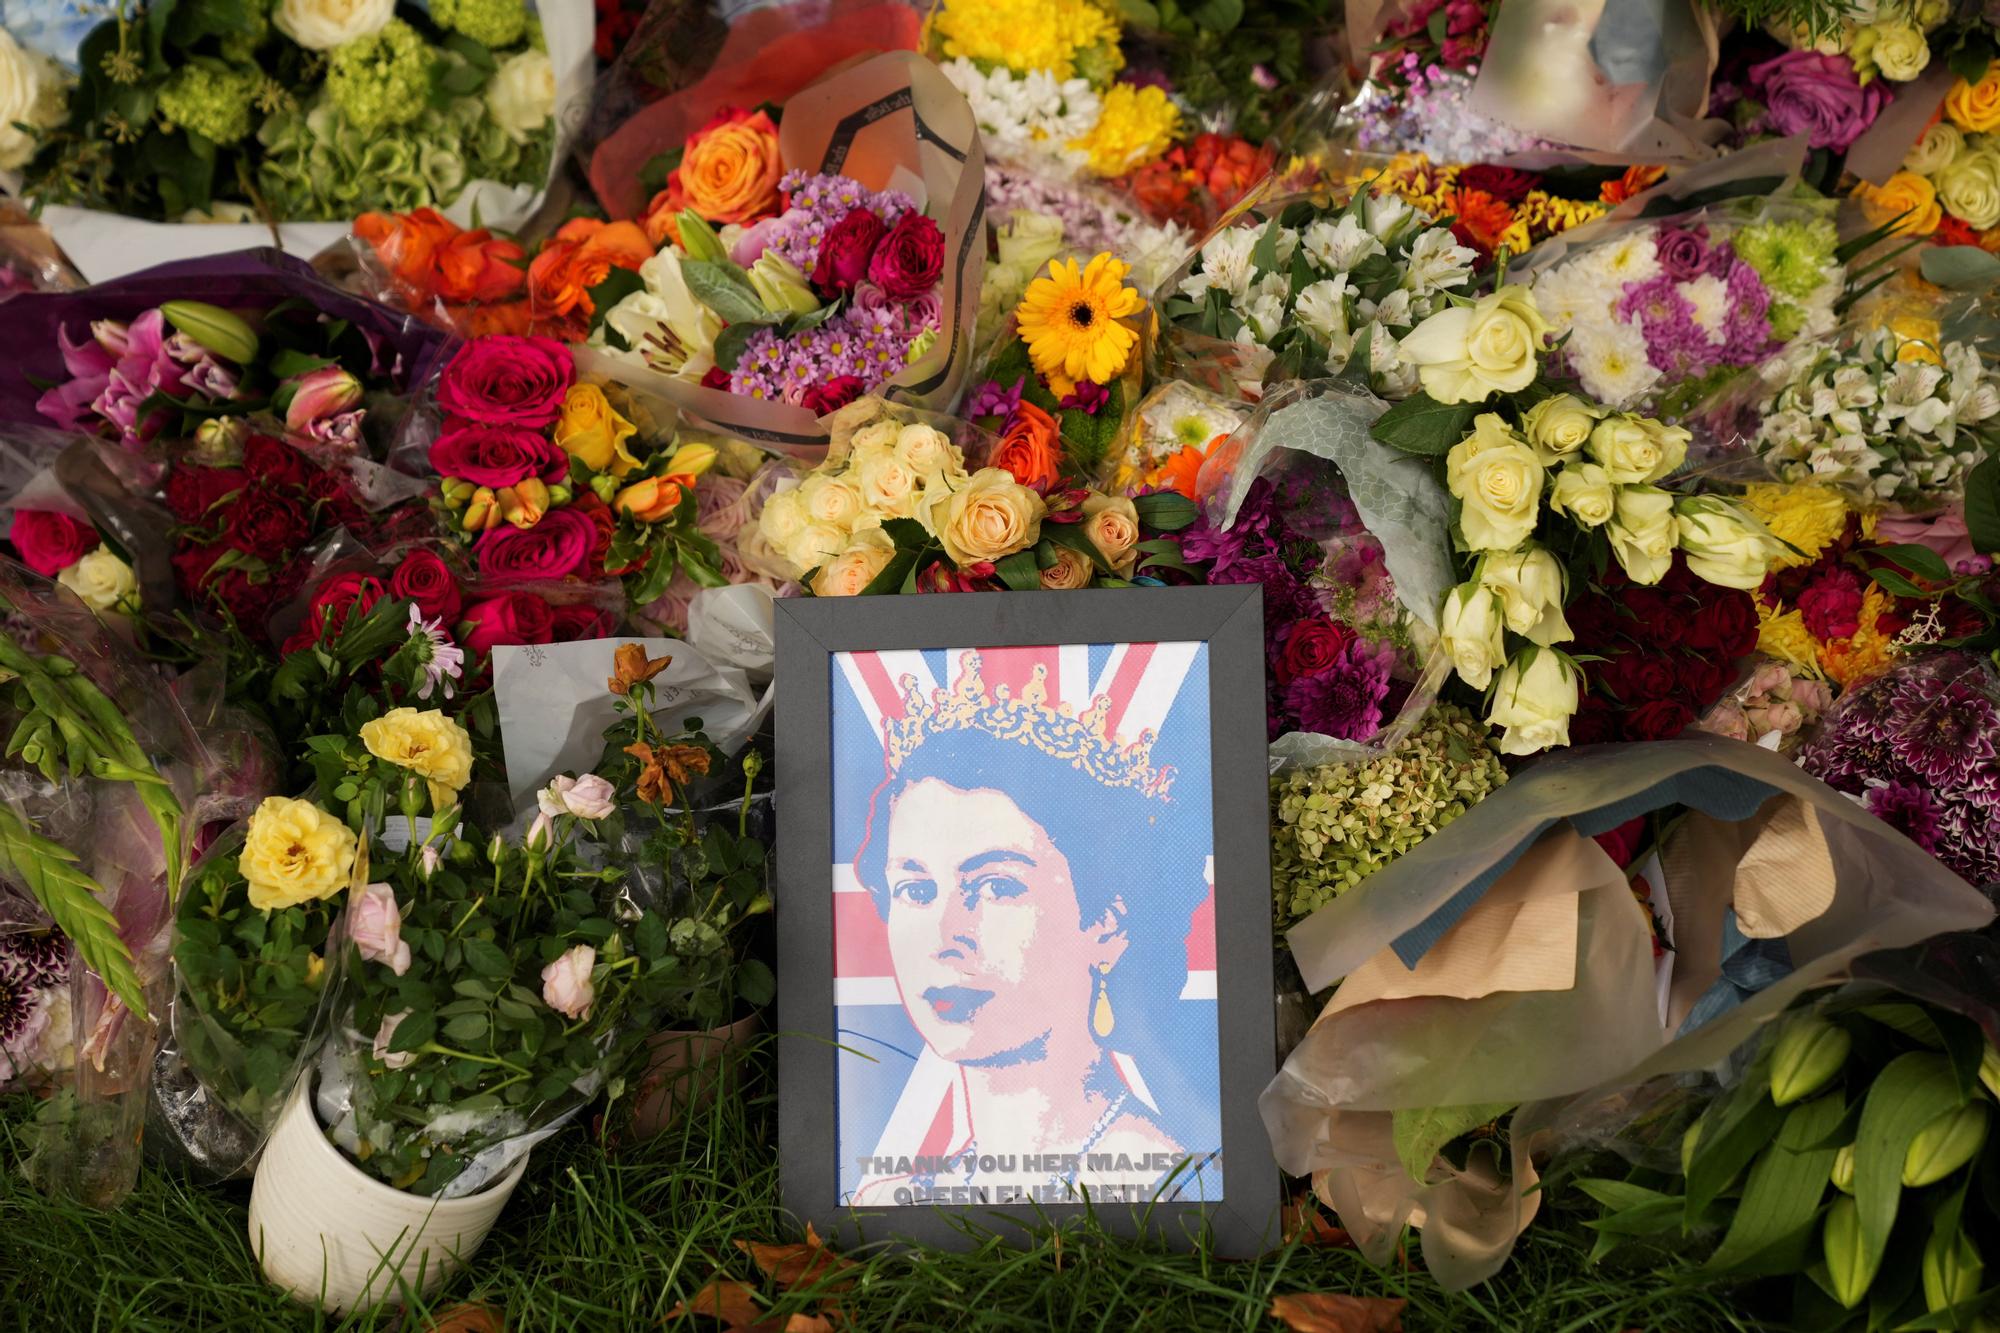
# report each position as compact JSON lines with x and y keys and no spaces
{"x":1907,"y":808}
{"x":41,"y":959}
{"x":1345,"y":700}
{"x":17,"y":1006}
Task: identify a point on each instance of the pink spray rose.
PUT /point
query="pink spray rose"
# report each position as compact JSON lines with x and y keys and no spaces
{"x":910,"y":258}
{"x":554,"y":548}
{"x":387,"y":1034}
{"x":507,"y":381}
{"x":566,"y":984}
{"x":375,"y":924}
{"x":50,"y":542}
{"x":587,"y":797}
{"x":1817,"y":96}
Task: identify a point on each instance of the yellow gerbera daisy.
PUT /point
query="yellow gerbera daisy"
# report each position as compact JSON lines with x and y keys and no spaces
{"x":1069,"y":319}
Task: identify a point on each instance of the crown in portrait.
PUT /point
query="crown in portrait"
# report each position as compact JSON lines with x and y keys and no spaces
{"x":1085,"y":742}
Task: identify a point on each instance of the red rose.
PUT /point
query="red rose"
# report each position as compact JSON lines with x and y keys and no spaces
{"x":1658,"y":720}
{"x":425,"y":579}
{"x":192,"y":563}
{"x":1703,"y":679}
{"x":910,"y":259}
{"x":606,"y":523}
{"x":505,"y":380}
{"x":1311,"y":647}
{"x":715,"y":377}
{"x":1657,"y":616}
{"x":1594,"y":722}
{"x":248,"y":601}
{"x":1636,"y":678}
{"x":832,"y":395}
{"x":844,"y":252}
{"x":338,"y":598}
{"x":266,"y":525}
{"x":1622,"y":843}
{"x":512,"y":617}
{"x":1725,"y":624}
{"x":50,"y":542}
{"x":580,"y":620}
{"x":554,"y":548}
{"x":338,"y":505}
{"x":274,"y":463}
{"x":193,"y":490}
{"x":496,"y":456}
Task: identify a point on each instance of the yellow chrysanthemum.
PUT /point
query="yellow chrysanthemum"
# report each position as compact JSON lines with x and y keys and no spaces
{"x":1030,"y":34}
{"x":1868,"y":652}
{"x":1134,"y":126}
{"x":1069,"y":319}
{"x":1808,"y":517}
{"x":1782,"y":634}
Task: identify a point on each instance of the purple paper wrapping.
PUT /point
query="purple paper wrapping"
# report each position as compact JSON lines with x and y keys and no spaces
{"x":245,"y":278}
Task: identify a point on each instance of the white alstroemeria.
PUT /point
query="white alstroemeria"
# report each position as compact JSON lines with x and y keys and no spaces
{"x":1437,"y":261}
{"x":1322,"y":308}
{"x":1338,"y":247}
{"x":1225,"y":263}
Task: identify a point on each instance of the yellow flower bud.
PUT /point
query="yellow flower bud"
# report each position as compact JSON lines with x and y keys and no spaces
{"x":456,"y":490}
{"x":1846,"y":1266}
{"x":691,"y":460}
{"x":482,"y":511}
{"x":524,"y":503}
{"x":1808,"y":1054}
{"x":1952,"y":1270}
{"x":1944,"y":1145}
{"x":1989,"y":1070}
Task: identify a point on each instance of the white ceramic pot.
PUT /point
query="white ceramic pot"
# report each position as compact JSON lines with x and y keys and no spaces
{"x":334,"y":1236}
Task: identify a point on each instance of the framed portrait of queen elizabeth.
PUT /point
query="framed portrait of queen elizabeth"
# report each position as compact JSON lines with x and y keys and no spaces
{"x":1024,"y":913}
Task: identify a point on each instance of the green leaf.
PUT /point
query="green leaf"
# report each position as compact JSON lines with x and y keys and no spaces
{"x":618,"y":284}
{"x":1264,"y":254}
{"x":1911,"y":1091}
{"x":1732,"y":1131}
{"x":1965,"y":267}
{"x":416,"y":1029}
{"x":1919,"y":560}
{"x":1623,"y":1194}
{"x":1217,"y":15}
{"x":1969,"y":61}
{"x":1895,"y":583}
{"x":1419,"y":1134}
{"x":1423,"y":426}
{"x":1071,"y":535}
{"x":755,"y":983}
{"x":1018,"y":572}
{"x":466,"y":1027}
{"x":1982,"y":505}
{"x":49,"y":873}
{"x":902,"y":567}
{"x":487,"y":958}
{"x":724,"y":289}
{"x":1165,"y":511}
{"x":1780,"y":1202}
{"x":730,"y":342}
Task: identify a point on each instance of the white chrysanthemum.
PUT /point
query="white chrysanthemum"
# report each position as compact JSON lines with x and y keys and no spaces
{"x":1181,"y":417}
{"x":1338,"y":247}
{"x":1225,"y":263}
{"x":1611,"y":361}
{"x":1027,"y":118}
{"x":1710,"y":297}
{"x":1322,"y":307}
{"x":1632,"y":258}
{"x":1437,"y":261}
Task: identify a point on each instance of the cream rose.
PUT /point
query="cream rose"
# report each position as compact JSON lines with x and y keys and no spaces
{"x":1970,"y":188}
{"x":1472,"y":629}
{"x":1900,"y":51}
{"x":888,"y":485}
{"x":782,"y":519}
{"x":1112,"y":524}
{"x":1533,"y":702}
{"x":1935,"y":151}
{"x":813,"y":545}
{"x":1724,"y":545}
{"x":928,"y":452}
{"x":1634,"y":451}
{"x":103,"y":581}
{"x":1560,"y":426}
{"x":1498,"y":481}
{"x":1642,"y":532}
{"x":848,"y":573}
{"x":1585,"y":493}
{"x":831,"y":500}
{"x":1072,"y":569}
{"x":876,"y":437}
{"x":1465,"y":354}
{"x":522,"y":94}
{"x":321,"y":25}
{"x":1530,"y":586}
{"x":988,"y":518}
{"x":34,"y":92}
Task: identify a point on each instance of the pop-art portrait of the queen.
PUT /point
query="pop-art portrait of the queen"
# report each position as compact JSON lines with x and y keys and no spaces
{"x":1024,"y":930}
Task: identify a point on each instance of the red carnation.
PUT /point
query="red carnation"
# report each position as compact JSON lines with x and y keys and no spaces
{"x":193,"y":490}
{"x":1507,"y":184}
{"x":274,"y":463}
{"x":266,"y":525}
{"x":1726,"y":624}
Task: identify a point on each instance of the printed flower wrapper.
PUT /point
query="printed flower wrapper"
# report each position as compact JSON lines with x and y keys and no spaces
{"x":892,"y":121}
{"x":109,"y":246}
{"x":1382,"y":528}
{"x":1506,"y":960}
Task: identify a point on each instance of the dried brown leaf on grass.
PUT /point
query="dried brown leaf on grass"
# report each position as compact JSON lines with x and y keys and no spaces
{"x":800,"y":1265}
{"x":1331,"y":1312}
{"x":468,"y":1317}
{"x":733,"y":1302}
{"x":1312,"y":1225}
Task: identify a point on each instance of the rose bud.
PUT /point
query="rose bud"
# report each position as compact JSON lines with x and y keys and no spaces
{"x":218,"y":441}
{"x":652,"y":498}
{"x":524,"y":503}
{"x":317,"y":395}
{"x":482,"y":511}
{"x":691,"y":460}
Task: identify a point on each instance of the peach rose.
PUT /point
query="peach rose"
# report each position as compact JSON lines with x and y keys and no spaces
{"x":728,"y":173}
{"x":1112,"y":524}
{"x":1030,"y":448}
{"x":990,"y":517}
{"x":652,"y":498}
{"x":1071,"y":570}
{"x":848,"y":573}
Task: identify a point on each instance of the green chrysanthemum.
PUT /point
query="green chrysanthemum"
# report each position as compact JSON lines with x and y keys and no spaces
{"x":1791,"y":257}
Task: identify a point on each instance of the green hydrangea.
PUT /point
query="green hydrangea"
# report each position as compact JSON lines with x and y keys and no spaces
{"x":1334,"y":826}
{"x":1791,"y":257}
{"x":381,"y":81}
{"x":210,"y":100}
{"x":491,"y":23}
{"x":319,"y":164}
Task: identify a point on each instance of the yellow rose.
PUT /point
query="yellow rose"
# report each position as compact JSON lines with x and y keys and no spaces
{"x":1642,"y":532}
{"x":1976,"y":106}
{"x":848,"y":573}
{"x":1901,"y":52}
{"x":813,"y":545}
{"x":1935,"y":150}
{"x":294,"y":853}
{"x":928,"y":452}
{"x":1112,"y":524}
{"x":1724,"y":545}
{"x":1533,"y":701}
{"x":429,"y":744}
{"x":103,"y":581}
{"x":1465,"y":354}
{"x":831,"y":500}
{"x":1970,"y":189}
{"x":1904,"y":195}
{"x":1072,"y":569}
{"x":1585,"y":493}
{"x":1634,"y":451}
{"x":1559,"y":426}
{"x":1530,"y":586}
{"x":1498,"y":480}
{"x":1473,"y":631}
{"x":990,"y":517}
{"x":591,"y":429}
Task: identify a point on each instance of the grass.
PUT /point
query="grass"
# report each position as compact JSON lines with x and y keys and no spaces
{"x":599,"y":1239}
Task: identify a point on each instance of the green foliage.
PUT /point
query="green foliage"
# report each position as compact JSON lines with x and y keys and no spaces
{"x":1421,"y":1133}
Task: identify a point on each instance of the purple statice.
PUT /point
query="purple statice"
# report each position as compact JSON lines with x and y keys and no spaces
{"x":1907,"y":808}
{"x":992,"y":399}
{"x":1345,"y":700}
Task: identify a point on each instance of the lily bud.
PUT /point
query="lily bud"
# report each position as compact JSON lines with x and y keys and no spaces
{"x":524,"y":503}
{"x":317,"y":395}
{"x":1843,"y":1170}
{"x":482,"y":511}
{"x":699,"y":239}
{"x":1841,"y":1238}
{"x":1808,"y":1054}
{"x":218,"y":330}
{"x":218,"y":441}
{"x":691,"y":460}
{"x":1689,"y":1141}
{"x":315,"y":969}
{"x":1944,"y":1145}
{"x":456,"y":491}
{"x":781,"y":287}
{"x":1952,"y":1270}
{"x":1989,"y":1070}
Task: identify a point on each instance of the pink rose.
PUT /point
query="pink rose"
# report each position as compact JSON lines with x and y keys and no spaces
{"x":497,"y":456}
{"x":566,"y":984}
{"x":554,"y":548}
{"x":910,"y":258}
{"x":386,"y":1034}
{"x":511,"y":618}
{"x":1726,"y":719}
{"x":1817,"y":96}
{"x":1944,"y":533}
{"x":507,"y":381}
{"x":50,"y":542}
{"x":587,"y":797}
{"x":375,"y":924}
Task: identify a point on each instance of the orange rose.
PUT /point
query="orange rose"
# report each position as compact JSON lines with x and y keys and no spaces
{"x":1030,"y":447}
{"x":728,"y":172}
{"x":435,"y":259}
{"x":580,"y":255}
{"x":653,"y":498}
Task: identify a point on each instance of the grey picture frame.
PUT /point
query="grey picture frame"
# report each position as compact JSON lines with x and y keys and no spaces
{"x":1246,"y":1222}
